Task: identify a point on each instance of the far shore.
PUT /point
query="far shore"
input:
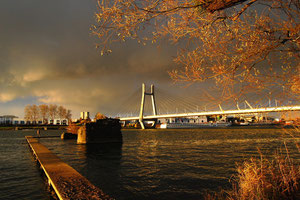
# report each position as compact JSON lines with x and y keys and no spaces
{"x":33,"y":127}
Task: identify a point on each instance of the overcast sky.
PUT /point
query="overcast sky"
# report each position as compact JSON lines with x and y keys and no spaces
{"x":48,"y":55}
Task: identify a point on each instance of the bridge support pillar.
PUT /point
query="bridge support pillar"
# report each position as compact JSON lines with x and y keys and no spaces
{"x":142,"y":107}
{"x":153,"y":100}
{"x":143,"y":103}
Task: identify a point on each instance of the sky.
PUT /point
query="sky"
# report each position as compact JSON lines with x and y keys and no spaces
{"x":48,"y":55}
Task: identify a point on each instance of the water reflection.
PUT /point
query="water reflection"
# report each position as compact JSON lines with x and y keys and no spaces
{"x":19,"y":177}
{"x":102,"y":166}
{"x":106,"y":149}
{"x":99,"y":163}
{"x":169,"y":164}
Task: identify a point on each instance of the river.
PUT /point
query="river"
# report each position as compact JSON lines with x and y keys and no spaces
{"x":150,"y":164}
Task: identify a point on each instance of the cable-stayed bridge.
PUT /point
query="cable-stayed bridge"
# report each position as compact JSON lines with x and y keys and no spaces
{"x":152,"y":110}
{"x":221,"y":112}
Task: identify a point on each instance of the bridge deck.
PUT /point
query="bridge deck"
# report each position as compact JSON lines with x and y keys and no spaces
{"x":221,"y":112}
{"x":66,"y":181}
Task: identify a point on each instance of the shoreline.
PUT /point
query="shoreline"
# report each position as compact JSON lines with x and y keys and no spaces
{"x":33,"y":127}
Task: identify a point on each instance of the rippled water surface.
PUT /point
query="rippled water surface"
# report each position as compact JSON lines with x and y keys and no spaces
{"x":19,"y":175}
{"x":150,"y":164}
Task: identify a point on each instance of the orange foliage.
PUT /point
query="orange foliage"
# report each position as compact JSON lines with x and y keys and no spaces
{"x":100,"y":116}
{"x":241,"y":48}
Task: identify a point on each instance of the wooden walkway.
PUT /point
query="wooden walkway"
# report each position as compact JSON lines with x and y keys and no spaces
{"x":65,"y":181}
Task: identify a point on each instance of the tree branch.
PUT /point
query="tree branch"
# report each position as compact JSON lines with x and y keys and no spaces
{"x":243,"y":9}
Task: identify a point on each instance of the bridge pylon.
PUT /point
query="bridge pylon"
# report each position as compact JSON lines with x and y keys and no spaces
{"x":141,"y":116}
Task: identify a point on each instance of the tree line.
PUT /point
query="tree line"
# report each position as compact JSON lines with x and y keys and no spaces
{"x":46,"y":112}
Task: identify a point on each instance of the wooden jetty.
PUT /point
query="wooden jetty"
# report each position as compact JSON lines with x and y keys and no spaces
{"x":65,"y":181}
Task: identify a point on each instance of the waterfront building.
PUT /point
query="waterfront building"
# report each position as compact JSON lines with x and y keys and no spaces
{"x":7,"y":119}
{"x":58,"y":122}
{"x":197,"y":119}
{"x":40,"y":122}
{"x":19,"y":122}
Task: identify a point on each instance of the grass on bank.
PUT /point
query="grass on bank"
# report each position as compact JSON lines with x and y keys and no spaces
{"x":264,"y":179}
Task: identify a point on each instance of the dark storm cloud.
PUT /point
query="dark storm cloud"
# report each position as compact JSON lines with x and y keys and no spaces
{"x":46,"y":51}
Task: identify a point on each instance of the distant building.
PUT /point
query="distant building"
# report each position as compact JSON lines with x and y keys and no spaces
{"x":197,"y":119}
{"x":40,"y":122}
{"x":84,"y":115}
{"x":7,"y":119}
{"x":19,"y":122}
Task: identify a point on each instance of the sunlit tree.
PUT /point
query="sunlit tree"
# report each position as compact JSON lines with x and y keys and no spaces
{"x":68,"y":115}
{"x":28,"y":113}
{"x":44,"y":112}
{"x":242,"y":45}
{"x":52,"y":111}
{"x":61,"y":112}
{"x":31,"y":113}
{"x":35,"y":112}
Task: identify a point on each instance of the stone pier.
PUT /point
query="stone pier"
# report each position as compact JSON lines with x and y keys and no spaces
{"x":101,"y":131}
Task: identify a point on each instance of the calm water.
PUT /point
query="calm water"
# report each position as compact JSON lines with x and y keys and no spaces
{"x":150,"y":164}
